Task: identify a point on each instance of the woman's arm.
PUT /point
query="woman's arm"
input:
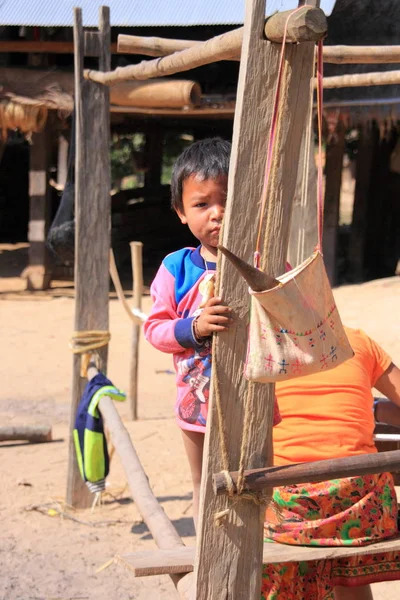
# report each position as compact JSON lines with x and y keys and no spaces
{"x":389,"y":384}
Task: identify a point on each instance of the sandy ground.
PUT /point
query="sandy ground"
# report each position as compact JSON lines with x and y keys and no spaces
{"x":45,"y":557}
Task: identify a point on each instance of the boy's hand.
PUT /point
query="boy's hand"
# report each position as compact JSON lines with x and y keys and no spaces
{"x":215,"y":316}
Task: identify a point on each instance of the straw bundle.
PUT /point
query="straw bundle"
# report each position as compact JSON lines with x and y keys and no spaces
{"x":27,"y":118}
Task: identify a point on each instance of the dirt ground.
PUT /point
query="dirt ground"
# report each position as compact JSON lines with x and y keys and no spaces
{"x":46,"y":557}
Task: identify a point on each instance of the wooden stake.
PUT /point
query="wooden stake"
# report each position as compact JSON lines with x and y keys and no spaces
{"x":333,"y":184}
{"x":93,"y":223}
{"x":229,"y":558}
{"x":321,"y":470}
{"x":137,"y":275}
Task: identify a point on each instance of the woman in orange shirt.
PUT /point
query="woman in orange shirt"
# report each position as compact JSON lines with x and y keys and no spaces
{"x":330,"y":415}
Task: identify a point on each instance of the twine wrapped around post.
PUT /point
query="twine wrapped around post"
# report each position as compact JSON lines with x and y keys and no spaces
{"x":84,"y":342}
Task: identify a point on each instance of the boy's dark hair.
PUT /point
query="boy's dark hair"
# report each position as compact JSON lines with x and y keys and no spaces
{"x":207,"y":159}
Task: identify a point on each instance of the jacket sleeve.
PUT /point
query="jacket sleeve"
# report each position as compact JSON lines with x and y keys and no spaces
{"x":163,"y":328}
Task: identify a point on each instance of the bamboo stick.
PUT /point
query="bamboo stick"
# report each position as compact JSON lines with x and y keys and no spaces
{"x":137,"y":273}
{"x":361,"y":54}
{"x":321,"y":470}
{"x":156,"y":46}
{"x":362,"y":79}
{"x":306,"y":25}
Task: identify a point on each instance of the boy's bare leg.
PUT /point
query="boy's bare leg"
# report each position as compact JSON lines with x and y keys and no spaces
{"x":362,"y":592}
{"x":194,"y":442}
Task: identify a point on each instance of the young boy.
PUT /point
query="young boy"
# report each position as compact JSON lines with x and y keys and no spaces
{"x":185,"y":313}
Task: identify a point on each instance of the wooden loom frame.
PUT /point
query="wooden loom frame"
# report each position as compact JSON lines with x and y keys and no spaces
{"x":227,"y":563}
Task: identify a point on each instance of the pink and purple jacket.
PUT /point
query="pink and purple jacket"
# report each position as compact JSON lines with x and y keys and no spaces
{"x":177,"y":294}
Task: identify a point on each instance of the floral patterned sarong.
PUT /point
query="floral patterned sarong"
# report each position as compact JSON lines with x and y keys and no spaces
{"x":354,"y":511}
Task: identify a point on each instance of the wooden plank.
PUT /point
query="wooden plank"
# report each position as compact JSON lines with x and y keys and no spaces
{"x":321,"y":470}
{"x":158,"y":562}
{"x":228,"y":563}
{"x":137,"y":275}
{"x":181,"y":560}
{"x":333,"y":183}
{"x":93,"y":224}
{"x":38,"y":272}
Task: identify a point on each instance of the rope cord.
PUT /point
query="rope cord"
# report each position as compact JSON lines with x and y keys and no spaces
{"x":84,"y":342}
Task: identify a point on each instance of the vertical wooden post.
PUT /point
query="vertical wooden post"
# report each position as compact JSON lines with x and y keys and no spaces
{"x":358,"y":229}
{"x":93,"y":220}
{"x":333,"y":183}
{"x":137,"y":272}
{"x":38,"y":273}
{"x":229,"y":558}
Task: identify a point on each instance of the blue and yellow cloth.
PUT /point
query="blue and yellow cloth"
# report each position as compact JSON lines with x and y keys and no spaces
{"x":90,"y":441}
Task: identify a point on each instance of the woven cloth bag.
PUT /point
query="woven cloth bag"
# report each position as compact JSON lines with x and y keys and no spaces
{"x":295,"y":328}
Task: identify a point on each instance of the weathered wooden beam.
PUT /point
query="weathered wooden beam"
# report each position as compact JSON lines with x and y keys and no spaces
{"x":38,"y":272}
{"x":308,"y":24}
{"x":161,"y":562}
{"x":229,"y":558}
{"x":93,"y":223}
{"x":333,"y":183}
{"x":137,"y":276}
{"x":32,"y":433}
{"x":321,"y":470}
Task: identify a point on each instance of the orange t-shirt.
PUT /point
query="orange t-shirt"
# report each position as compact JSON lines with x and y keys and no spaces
{"x":329,"y":415}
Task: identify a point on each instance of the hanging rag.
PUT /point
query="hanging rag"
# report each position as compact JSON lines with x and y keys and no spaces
{"x":89,"y":439}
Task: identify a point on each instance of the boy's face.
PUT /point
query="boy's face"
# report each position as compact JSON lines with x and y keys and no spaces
{"x":203,"y":208}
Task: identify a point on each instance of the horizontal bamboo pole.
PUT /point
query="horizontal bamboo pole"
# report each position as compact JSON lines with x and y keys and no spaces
{"x":362,"y":79}
{"x":321,"y":470}
{"x":361,"y":54}
{"x":156,"y":46}
{"x":308,"y":24}
{"x":164,"y":533}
